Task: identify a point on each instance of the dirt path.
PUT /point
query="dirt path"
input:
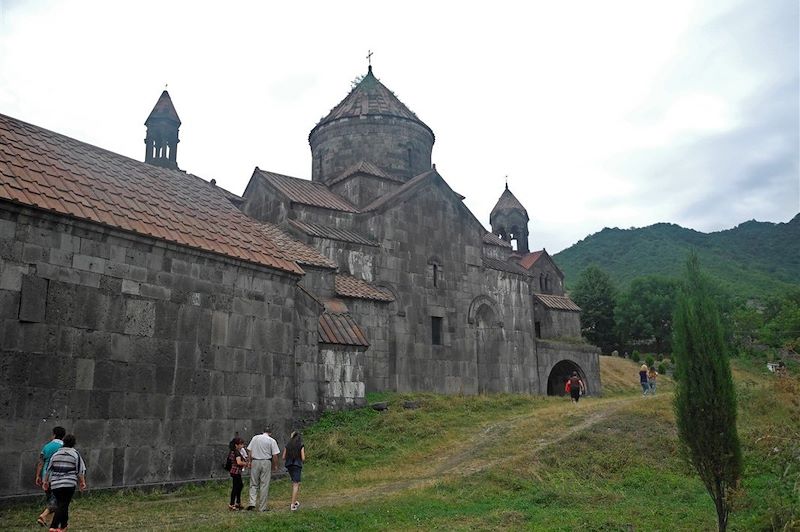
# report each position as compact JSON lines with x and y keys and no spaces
{"x":470,"y":457}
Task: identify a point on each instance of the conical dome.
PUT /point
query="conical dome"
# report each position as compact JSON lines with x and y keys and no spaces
{"x":507,"y":203}
{"x":163,"y":110}
{"x":370,"y":97}
{"x":371,"y":125}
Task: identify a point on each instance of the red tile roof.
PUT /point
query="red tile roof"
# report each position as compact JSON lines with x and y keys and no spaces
{"x":369,"y":97}
{"x":340,"y":329}
{"x":307,"y":192}
{"x":349,"y":286}
{"x":530,"y":259}
{"x":43,"y":169}
{"x":332,"y":233}
{"x":494,"y":240}
{"x":296,"y":250}
{"x":557,"y":302}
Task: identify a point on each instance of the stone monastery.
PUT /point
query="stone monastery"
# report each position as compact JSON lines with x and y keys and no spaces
{"x":154,"y":314}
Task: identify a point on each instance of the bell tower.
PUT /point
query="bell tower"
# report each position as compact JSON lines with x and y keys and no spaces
{"x":161,"y":140}
{"x":509,"y":221}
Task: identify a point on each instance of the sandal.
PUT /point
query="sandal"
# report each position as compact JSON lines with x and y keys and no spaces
{"x":232,"y":507}
{"x":41,"y":521}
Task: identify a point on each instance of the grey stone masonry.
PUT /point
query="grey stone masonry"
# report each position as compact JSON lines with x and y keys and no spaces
{"x":153,"y":355}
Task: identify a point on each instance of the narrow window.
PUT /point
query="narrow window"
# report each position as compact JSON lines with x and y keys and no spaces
{"x":538,"y":327}
{"x":436,"y":330}
{"x":435,"y":275}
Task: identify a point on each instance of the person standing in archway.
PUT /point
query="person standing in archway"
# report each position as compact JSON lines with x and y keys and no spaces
{"x":576,"y":387}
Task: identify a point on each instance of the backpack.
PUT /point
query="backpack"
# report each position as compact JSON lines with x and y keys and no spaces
{"x":228,"y":463}
{"x":574,"y":382}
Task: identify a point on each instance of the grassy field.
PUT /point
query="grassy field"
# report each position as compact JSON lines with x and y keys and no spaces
{"x":498,"y":462}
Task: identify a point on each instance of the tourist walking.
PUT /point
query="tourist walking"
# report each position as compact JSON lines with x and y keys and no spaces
{"x":643,"y":379}
{"x":294,"y":454}
{"x":48,"y":450}
{"x":65,"y":472}
{"x":262,"y":452}
{"x":652,"y":376}
{"x":238,"y":464}
{"x":575,"y":387}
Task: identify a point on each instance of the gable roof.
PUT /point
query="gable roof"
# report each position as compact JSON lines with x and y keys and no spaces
{"x":349,"y":286}
{"x":507,"y":202}
{"x":40,"y":168}
{"x":494,"y":240}
{"x":504,"y":266}
{"x":369,"y":98}
{"x":163,"y":109}
{"x":557,"y":302}
{"x":530,"y":259}
{"x":296,"y":250}
{"x":332,"y":233}
{"x":364,"y":168}
{"x":405,"y":189}
{"x":306,"y":192}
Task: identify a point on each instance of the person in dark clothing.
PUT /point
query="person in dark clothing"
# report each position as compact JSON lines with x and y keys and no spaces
{"x":238,"y":463}
{"x":293,"y":457}
{"x":576,"y":387}
{"x":65,"y":472}
{"x":643,"y":379}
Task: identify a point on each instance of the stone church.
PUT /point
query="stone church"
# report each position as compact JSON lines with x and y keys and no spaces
{"x":154,"y":314}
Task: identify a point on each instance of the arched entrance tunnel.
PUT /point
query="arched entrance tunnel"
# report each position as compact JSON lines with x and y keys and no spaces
{"x":559,"y":375}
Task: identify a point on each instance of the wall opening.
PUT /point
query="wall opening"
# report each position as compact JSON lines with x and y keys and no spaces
{"x":559,"y":375}
{"x":436,"y":330}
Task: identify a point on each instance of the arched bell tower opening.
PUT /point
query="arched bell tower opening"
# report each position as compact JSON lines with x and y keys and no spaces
{"x":559,"y":375}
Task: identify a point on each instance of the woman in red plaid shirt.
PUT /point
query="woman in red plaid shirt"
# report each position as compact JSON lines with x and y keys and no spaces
{"x":237,"y":464}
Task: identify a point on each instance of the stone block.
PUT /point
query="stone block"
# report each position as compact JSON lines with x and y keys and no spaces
{"x":8,"y":229}
{"x":11,"y":275}
{"x":84,"y":374}
{"x":130,"y":287}
{"x":33,"y":298}
{"x":89,"y":263}
{"x":140,"y":317}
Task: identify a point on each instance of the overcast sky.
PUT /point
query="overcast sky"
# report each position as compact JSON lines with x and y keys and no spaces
{"x":602,"y":114}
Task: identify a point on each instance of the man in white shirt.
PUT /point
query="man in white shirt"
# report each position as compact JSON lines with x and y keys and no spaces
{"x":263,"y":454}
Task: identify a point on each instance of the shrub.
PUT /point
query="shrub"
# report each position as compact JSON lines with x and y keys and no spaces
{"x":635,"y":356}
{"x":649,"y":361}
{"x":662,"y":369}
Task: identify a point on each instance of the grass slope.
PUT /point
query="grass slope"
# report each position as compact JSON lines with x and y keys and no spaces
{"x":752,"y":259}
{"x":494,"y":463}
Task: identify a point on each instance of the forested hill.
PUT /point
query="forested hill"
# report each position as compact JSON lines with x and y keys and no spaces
{"x":752,"y":259}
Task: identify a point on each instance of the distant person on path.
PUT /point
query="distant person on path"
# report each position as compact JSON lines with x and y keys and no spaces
{"x":293,"y":457}
{"x":652,"y":375}
{"x":262,"y":455}
{"x":575,"y":387}
{"x":238,"y":463}
{"x":65,"y":472}
{"x":643,"y":379}
{"x":48,"y":450}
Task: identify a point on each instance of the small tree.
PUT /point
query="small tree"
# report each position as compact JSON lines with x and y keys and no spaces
{"x":705,"y":400}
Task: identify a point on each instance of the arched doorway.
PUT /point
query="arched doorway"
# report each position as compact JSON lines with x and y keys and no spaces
{"x":487,"y":344}
{"x":559,"y":375}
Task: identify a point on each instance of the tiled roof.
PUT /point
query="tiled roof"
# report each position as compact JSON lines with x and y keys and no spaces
{"x":557,"y":302}
{"x":332,"y":233}
{"x":164,"y":109}
{"x":507,"y":202}
{"x":307,"y":192}
{"x":349,"y":286}
{"x":340,"y":329}
{"x":366,"y":168}
{"x":43,"y":169}
{"x":296,"y":250}
{"x":530,"y":259}
{"x":503,"y":266}
{"x":369,"y":97}
{"x":494,"y":240}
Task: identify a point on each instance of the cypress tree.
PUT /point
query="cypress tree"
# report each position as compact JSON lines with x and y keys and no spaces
{"x":705,"y":399}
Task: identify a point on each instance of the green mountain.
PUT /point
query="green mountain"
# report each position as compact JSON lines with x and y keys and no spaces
{"x":752,"y":259}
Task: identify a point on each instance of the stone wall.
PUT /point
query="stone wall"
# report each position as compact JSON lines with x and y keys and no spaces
{"x":398,"y":146}
{"x":343,"y":376}
{"x":152,"y":354}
